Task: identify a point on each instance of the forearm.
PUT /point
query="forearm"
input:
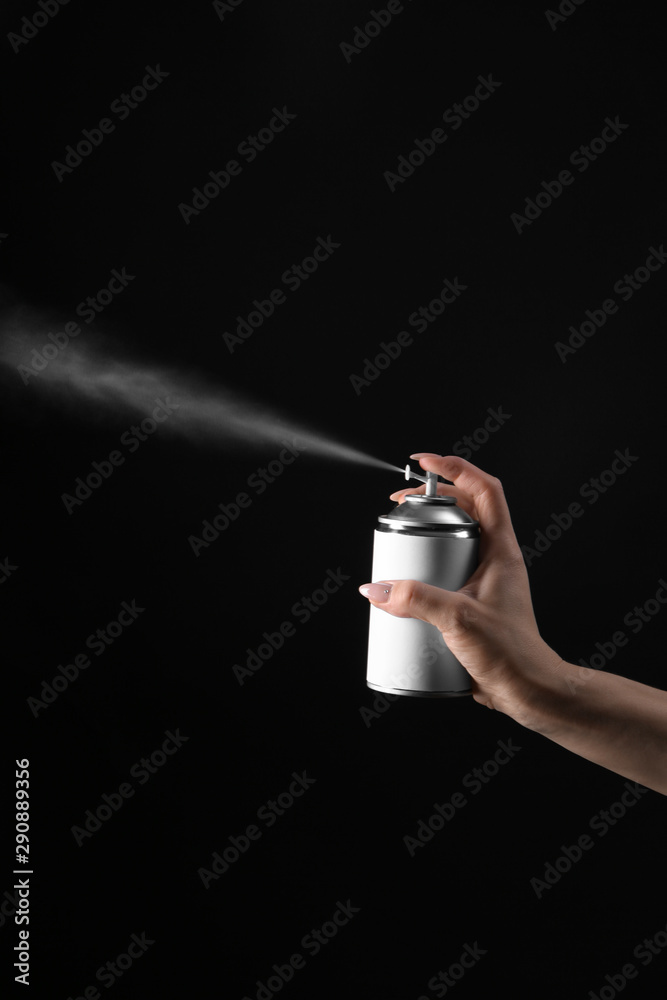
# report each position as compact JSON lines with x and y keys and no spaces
{"x":608,"y":719}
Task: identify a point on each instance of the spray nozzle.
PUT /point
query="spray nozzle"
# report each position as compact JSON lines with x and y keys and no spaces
{"x":431,"y":480}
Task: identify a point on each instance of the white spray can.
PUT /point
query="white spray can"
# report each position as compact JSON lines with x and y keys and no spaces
{"x":427,"y":538}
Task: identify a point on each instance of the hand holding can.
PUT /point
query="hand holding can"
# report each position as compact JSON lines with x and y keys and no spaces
{"x":484,"y":619}
{"x":489,"y":626}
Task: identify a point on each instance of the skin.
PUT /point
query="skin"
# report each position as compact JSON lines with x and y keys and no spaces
{"x":490,"y":626}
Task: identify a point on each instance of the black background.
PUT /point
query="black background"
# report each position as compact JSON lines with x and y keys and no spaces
{"x":376,"y":777}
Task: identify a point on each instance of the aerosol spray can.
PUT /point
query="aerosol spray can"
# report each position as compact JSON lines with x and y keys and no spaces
{"x":427,"y":538}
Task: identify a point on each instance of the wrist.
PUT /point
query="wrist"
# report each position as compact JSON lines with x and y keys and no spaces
{"x":544,"y":691}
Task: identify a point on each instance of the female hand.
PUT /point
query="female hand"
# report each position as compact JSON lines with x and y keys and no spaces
{"x":490,"y":627}
{"x":488,"y":624}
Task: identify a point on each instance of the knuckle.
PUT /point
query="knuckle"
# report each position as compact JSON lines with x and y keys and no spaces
{"x":409,"y":594}
{"x":462,"y":618}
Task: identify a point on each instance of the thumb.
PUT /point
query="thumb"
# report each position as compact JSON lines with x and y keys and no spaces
{"x":450,"y":611}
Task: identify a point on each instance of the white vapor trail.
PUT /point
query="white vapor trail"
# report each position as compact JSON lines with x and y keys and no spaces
{"x":94,"y":374}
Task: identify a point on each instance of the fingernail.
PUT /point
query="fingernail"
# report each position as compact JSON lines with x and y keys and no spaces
{"x":425,"y":454}
{"x":376,"y":592}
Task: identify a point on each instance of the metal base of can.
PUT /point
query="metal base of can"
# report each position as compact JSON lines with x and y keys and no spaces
{"x":419,"y":694}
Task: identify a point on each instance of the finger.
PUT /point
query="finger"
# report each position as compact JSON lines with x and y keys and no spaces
{"x":400,"y":495}
{"x":448,"y":488}
{"x":445,"y":609}
{"x":486,"y":493}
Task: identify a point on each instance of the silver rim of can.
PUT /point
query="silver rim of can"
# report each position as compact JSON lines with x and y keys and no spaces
{"x":440,"y":530}
{"x":419,"y":694}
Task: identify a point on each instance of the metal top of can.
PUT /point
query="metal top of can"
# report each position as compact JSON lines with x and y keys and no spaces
{"x":421,"y":511}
